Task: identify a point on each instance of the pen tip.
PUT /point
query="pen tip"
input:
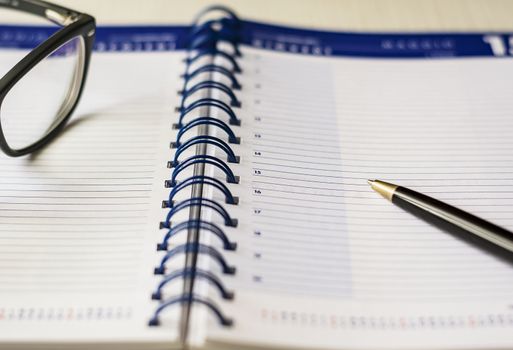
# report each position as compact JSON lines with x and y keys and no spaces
{"x":386,"y":189}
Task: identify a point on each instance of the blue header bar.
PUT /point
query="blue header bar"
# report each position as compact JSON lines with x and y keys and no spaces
{"x":383,"y":45}
{"x":286,"y":39}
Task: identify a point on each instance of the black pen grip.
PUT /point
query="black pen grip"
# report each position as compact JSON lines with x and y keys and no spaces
{"x":430,"y":209}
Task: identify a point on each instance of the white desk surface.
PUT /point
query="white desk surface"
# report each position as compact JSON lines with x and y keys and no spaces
{"x":362,"y":15}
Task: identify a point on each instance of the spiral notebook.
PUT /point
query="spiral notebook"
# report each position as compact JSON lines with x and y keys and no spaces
{"x":235,"y":213}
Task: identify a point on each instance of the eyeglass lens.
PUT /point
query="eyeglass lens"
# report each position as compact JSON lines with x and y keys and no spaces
{"x":42,"y":97}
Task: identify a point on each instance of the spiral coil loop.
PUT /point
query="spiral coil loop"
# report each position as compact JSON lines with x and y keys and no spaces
{"x":204,"y":40}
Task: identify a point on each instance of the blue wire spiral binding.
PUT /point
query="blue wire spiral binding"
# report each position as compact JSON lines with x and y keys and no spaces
{"x":206,"y":121}
{"x":223,"y":25}
{"x":197,"y":224}
{"x":204,"y":40}
{"x":211,"y":84}
{"x":205,"y":159}
{"x":215,"y":52}
{"x":203,"y":179}
{"x":206,"y":139}
{"x":190,"y":298}
{"x":207,"y":68}
{"x":228,"y":27}
{"x":207,"y":102}
{"x":199,"y":201}
{"x":196,"y":248}
{"x":210,"y":33}
{"x":186,"y":272}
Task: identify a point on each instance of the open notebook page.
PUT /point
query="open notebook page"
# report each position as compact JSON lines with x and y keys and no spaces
{"x":326,"y":262}
{"x":79,"y":220}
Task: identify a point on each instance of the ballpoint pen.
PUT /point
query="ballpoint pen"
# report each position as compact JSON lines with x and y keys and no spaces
{"x":464,"y":225}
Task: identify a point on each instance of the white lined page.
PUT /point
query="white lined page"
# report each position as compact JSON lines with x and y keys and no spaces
{"x":79,"y":220}
{"x":325,"y":256}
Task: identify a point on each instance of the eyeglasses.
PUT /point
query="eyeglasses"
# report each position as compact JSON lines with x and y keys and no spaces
{"x":39,"y":94}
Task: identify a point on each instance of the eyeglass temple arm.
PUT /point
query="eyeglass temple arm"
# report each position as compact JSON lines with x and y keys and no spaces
{"x":54,"y":13}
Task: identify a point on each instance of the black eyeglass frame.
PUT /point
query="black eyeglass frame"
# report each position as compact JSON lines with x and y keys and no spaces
{"x":75,"y":24}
